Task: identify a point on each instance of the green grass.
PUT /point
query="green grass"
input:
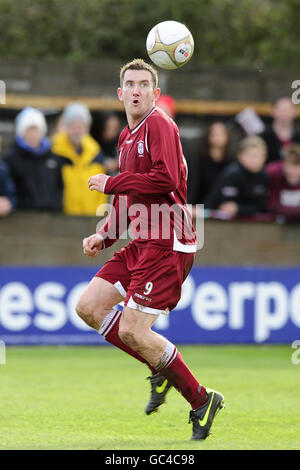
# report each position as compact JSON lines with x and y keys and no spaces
{"x":94,"y":398}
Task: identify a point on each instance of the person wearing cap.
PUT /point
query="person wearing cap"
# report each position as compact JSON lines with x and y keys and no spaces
{"x":81,"y":157}
{"x":35,"y":170}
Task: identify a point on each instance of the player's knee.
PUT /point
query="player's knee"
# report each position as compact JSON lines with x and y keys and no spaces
{"x":129,"y":337}
{"x":85,"y":312}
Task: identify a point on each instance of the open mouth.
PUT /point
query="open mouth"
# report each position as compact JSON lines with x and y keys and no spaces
{"x":135,"y":101}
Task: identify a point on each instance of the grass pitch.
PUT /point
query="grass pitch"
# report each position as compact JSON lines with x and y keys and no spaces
{"x":94,"y":398}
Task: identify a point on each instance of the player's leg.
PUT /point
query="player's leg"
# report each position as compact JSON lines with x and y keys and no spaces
{"x":135,"y":330}
{"x":96,"y":307}
{"x":97,"y":302}
{"x":156,"y":289}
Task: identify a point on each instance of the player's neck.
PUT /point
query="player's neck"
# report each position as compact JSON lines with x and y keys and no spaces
{"x":134,"y":121}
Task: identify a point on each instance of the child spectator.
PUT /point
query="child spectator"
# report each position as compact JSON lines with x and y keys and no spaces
{"x":284,"y":189}
{"x":242,"y":188}
{"x":81,"y":158}
{"x":282,"y":131}
{"x":33,"y":167}
{"x":213,"y":158}
{"x":7,"y":191}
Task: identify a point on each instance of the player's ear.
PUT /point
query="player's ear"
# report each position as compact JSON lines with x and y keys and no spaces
{"x":156,"y":94}
{"x":120,"y":94}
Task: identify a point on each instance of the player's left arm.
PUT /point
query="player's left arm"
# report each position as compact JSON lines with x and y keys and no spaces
{"x":163,"y":177}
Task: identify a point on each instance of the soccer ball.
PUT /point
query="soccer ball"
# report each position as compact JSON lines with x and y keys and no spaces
{"x":170,"y":45}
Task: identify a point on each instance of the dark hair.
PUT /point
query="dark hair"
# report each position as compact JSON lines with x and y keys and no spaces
{"x":140,"y":64}
{"x":206,"y":145}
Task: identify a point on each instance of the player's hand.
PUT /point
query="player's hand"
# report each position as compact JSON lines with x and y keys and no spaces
{"x":92,"y":245}
{"x":97,"y":182}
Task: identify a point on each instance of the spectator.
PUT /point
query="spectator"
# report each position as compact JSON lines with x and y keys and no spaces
{"x":106,"y":132}
{"x":81,"y":157}
{"x":33,"y":167}
{"x":214,"y":157}
{"x":242,"y":188}
{"x":284,"y":190}
{"x":282,"y":131}
{"x":7,"y":191}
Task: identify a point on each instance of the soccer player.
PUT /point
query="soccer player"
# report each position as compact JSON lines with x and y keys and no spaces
{"x":148,"y":273}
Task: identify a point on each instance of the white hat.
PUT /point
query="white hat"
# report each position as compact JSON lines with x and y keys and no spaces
{"x":30,"y":117}
{"x":76,"y":110}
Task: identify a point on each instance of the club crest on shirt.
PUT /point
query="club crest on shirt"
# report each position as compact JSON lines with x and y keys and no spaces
{"x":140,"y":148}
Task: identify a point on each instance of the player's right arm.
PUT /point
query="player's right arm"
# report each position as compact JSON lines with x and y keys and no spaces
{"x":92,"y":245}
{"x":116,"y":224}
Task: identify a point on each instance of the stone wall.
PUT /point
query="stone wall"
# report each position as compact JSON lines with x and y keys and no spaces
{"x":42,"y":239}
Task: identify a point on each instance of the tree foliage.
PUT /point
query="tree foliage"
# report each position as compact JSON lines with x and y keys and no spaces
{"x":226,"y":32}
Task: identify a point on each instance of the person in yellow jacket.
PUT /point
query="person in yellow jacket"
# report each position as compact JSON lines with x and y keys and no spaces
{"x":81,"y":157}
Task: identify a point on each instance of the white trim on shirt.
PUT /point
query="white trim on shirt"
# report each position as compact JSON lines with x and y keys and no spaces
{"x":142,"y":122}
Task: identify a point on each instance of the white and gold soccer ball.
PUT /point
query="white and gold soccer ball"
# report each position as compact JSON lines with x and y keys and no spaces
{"x":170,"y":45}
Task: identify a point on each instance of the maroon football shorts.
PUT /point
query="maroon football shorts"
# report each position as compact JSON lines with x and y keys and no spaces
{"x":149,"y":278}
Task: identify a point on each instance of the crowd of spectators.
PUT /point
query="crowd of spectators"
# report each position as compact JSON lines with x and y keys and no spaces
{"x":41,"y":172}
{"x":260,"y":180}
{"x":49,"y":171}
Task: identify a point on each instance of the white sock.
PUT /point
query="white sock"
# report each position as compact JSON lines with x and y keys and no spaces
{"x":109,"y":321}
{"x":168,"y":356}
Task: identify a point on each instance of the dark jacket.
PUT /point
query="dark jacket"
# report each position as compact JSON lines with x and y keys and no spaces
{"x":7,"y":186}
{"x":37,"y":178}
{"x":274,"y":145}
{"x":203,"y":173}
{"x":248,"y":190}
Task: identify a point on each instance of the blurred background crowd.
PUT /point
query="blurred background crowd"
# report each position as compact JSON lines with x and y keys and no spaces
{"x":245,"y":164}
{"x":257,"y":176}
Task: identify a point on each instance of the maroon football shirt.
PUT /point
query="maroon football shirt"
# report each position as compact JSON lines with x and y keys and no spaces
{"x":151,"y":187}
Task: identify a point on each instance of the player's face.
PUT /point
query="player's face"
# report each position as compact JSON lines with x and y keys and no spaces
{"x":138,"y":94}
